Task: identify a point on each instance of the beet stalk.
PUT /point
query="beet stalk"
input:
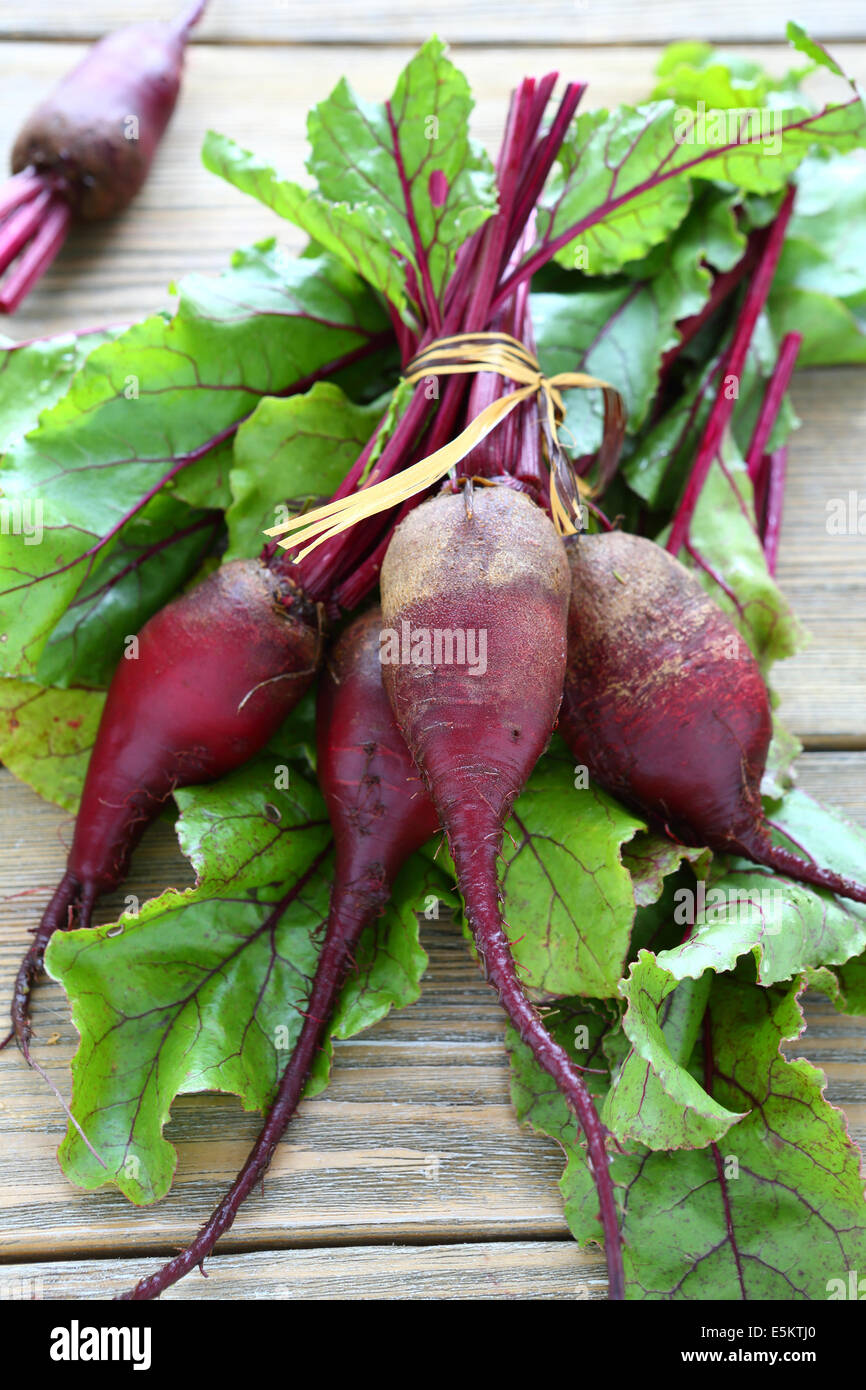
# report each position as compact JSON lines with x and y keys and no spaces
{"x":735,"y":361}
{"x":380,"y":814}
{"x":666,"y":706}
{"x":87,"y":149}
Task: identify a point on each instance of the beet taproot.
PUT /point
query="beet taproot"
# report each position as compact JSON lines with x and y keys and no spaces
{"x":205,"y":684}
{"x":491,"y":568}
{"x":380,"y":814}
{"x":665,"y":705}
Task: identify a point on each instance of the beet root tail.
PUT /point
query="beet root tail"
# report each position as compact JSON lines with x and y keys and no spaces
{"x":351,"y":910}
{"x":478,"y":879}
{"x":761,"y":849}
{"x":67,"y":895}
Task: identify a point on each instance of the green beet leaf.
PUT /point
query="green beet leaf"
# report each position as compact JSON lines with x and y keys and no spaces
{"x":259,"y":825}
{"x":398,"y":184}
{"x":569,"y":902}
{"x":291,"y":453}
{"x":727,"y":557}
{"x":34,"y":375}
{"x":144,"y":403}
{"x":655,"y":1099}
{"x":787,"y":1174}
{"x":154,"y":555}
{"x":46,"y":737}
{"x":625,"y":182}
{"x":206,"y":990}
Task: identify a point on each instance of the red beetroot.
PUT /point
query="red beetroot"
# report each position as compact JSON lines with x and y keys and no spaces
{"x":499,"y":575}
{"x":217,"y":672}
{"x":380,"y":814}
{"x":87,"y":149}
{"x":666,"y":706}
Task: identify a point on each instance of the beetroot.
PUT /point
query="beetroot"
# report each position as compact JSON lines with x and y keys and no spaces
{"x":665,"y":705}
{"x":87,"y":148}
{"x":217,"y":672}
{"x":497,"y":573}
{"x":380,"y":814}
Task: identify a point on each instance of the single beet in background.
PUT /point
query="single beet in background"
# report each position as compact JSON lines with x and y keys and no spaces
{"x":87,"y":148}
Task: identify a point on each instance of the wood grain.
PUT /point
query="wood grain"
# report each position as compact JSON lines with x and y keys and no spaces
{"x":564,"y":22}
{"x":502,"y":1270}
{"x":823,"y":689}
{"x":415,"y":1138}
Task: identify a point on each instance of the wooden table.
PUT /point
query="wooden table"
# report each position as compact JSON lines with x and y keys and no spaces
{"x":409,"y":1177}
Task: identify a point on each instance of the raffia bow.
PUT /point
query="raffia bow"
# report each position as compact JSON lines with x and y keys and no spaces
{"x":461,"y":354}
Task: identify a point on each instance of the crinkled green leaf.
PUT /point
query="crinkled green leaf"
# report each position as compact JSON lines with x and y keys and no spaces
{"x":569,"y":902}
{"x":261,"y":824}
{"x":342,"y":231}
{"x":851,"y":978}
{"x":201,"y":991}
{"x":650,"y":859}
{"x":398,"y":184}
{"x":163,"y":389}
{"x":46,"y":737}
{"x":697,"y":72}
{"x":625,"y":179}
{"x":785,"y":925}
{"x":655,"y":1099}
{"x":34,"y":375}
{"x":834,"y":330}
{"x":790,"y":1173}
{"x":619,"y":329}
{"x":156,"y":553}
{"x":797,"y":35}
{"x":206,"y":990}
{"x":660,"y":459}
{"x":734,"y":570}
{"x":289,"y":453}
{"x":819,"y":289}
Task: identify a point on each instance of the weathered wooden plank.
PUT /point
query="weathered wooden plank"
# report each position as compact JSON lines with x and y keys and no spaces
{"x":186,"y":219}
{"x":414,"y":1139}
{"x":823,"y":574}
{"x":393,"y":21}
{"x":502,"y":1270}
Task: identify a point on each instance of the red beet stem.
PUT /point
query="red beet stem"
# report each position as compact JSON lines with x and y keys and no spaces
{"x":722,"y":288}
{"x":759,"y":847}
{"x":478,"y":878}
{"x":21,"y":188}
{"x":778,"y":467}
{"x":21,"y":226}
{"x":37,"y":257}
{"x":772,"y":402}
{"x":753,"y":304}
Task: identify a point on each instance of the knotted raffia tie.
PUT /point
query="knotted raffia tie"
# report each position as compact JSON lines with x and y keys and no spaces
{"x":468,"y":353}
